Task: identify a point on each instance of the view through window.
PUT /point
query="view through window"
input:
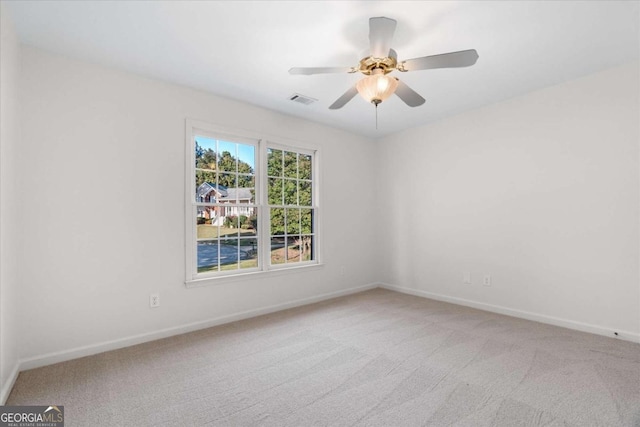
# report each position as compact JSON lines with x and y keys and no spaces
{"x":227,"y":214}
{"x":290,"y":206}
{"x":235,"y":227}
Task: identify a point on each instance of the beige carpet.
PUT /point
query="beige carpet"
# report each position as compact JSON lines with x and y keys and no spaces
{"x":377,"y":358}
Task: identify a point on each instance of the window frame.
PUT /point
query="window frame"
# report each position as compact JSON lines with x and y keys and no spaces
{"x":262,"y":143}
{"x":314,"y":205}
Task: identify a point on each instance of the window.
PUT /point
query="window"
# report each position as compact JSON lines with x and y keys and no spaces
{"x":226,"y":213}
{"x":291,"y":209}
{"x":252,"y":204}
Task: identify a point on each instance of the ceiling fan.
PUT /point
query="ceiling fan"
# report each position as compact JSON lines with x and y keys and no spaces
{"x":377,"y":86}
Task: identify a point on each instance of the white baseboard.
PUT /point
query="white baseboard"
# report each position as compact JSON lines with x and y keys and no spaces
{"x":565,"y":323}
{"x":88,"y":350}
{"x":8,"y":385}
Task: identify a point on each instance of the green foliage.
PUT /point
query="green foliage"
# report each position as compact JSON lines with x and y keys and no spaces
{"x":199,"y":151}
{"x":290,"y":164}
{"x":295,"y":192}
{"x":226,"y":162}
{"x":227,"y":179}
{"x":293,"y":221}
{"x":305,"y":193}
{"x":274,"y":162}
{"x":289,"y":181}
{"x":227,"y":166}
{"x":205,"y":176}
{"x":290,"y":184}
{"x":304,"y":166}
{"x":201,"y":220}
{"x":242,"y":221}
{"x":277,"y":221}
{"x":253,"y":220}
{"x":274,"y":193}
{"x":205,"y":159}
{"x":231,"y":221}
{"x":290,"y":192}
{"x":246,"y":181}
{"x":306,"y":221}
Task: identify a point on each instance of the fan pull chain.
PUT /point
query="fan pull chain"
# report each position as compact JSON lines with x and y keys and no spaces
{"x":376,"y":116}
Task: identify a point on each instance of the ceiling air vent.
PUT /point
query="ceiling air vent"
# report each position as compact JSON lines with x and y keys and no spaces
{"x":296,"y":97}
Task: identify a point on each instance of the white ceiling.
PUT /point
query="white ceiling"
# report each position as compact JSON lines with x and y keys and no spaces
{"x":243,"y":50}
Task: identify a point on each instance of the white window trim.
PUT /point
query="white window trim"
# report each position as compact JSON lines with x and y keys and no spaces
{"x":261,"y":142}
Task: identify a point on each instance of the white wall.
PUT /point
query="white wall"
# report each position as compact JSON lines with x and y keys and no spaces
{"x":9,"y":138}
{"x":103,"y":181}
{"x":540,"y":191}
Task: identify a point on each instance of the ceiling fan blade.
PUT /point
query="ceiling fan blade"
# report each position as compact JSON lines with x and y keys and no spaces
{"x":346,"y":97}
{"x":380,"y":35}
{"x":408,"y":95}
{"x":463,"y":58}
{"x":307,"y":71}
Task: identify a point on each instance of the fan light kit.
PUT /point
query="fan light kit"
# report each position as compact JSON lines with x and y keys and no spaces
{"x":377,"y":85}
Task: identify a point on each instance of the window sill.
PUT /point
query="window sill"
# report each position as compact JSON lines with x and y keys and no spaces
{"x":208,"y":281}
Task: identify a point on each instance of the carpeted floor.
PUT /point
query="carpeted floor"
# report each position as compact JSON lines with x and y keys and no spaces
{"x":378,"y":358}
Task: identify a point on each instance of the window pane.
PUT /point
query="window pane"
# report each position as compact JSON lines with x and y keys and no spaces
{"x":246,"y":189}
{"x":274,"y":162}
{"x":226,"y":180}
{"x":290,"y":192}
{"x":304,"y":166}
{"x":231,"y":224}
{"x":205,"y":186}
{"x":306,"y":248}
{"x":229,"y":254}
{"x":206,"y":222}
{"x":306,"y":221}
{"x":207,"y":256}
{"x":248,"y":253}
{"x":293,"y":249}
{"x":277,"y":250}
{"x":305,"y":193}
{"x":238,"y":219}
{"x":239,"y":195}
{"x":290,"y":164}
{"x":227,"y":160}
{"x":293,"y":221}
{"x":275,"y":191}
{"x":247,"y":220}
{"x":205,"y":153}
{"x":277,"y":221}
{"x":246,"y":159}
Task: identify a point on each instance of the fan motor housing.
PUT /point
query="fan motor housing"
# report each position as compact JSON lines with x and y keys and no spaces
{"x":388,"y":64}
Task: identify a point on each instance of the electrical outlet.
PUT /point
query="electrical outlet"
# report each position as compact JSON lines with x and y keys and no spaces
{"x":154,"y":300}
{"x":466,"y":278}
{"x":487,"y":280}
